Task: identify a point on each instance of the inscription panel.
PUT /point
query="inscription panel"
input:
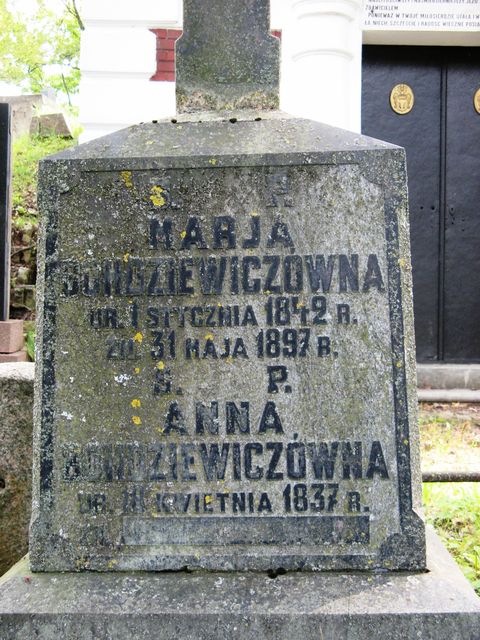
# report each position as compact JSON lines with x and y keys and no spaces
{"x":224,"y":375}
{"x":422,"y":15}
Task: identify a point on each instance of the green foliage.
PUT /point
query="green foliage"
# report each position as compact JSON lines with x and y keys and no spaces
{"x":27,"y":151}
{"x":30,"y":344}
{"x":454,"y":510}
{"x":40,"y":51}
{"x":450,"y":439}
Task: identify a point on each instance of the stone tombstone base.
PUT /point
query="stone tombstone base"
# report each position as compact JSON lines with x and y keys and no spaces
{"x":12,"y":341}
{"x":16,"y":356}
{"x":16,"y":393}
{"x":436,"y":605}
{"x":11,"y":336}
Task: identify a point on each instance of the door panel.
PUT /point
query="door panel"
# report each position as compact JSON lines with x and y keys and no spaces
{"x":441,"y":135}
{"x":462,"y":224}
{"x":419,"y":132}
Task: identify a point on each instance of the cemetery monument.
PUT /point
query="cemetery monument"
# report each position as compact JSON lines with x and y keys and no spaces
{"x":226,"y":376}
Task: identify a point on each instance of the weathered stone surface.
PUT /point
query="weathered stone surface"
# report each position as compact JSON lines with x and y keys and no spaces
{"x":16,"y":356}
{"x":24,"y":108}
{"x":227,"y":371}
{"x":438,"y":605}
{"x":11,"y":336}
{"x":226,"y":57}
{"x":448,"y":376}
{"x":16,"y":403}
{"x":50,"y":124}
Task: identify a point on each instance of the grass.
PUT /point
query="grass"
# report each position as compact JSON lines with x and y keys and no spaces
{"x":27,"y":151}
{"x":454,"y":511}
{"x":450,"y":440}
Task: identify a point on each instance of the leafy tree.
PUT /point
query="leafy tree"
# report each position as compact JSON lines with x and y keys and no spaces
{"x":40,"y":51}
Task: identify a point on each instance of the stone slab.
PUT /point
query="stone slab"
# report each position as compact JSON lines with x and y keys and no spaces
{"x":11,"y":336}
{"x":20,"y":372}
{"x":448,"y":376}
{"x":436,"y":605}
{"x":227,"y":373}
{"x":23,"y":109}
{"x":17,"y":356}
{"x":449,"y":395}
{"x":16,"y":421}
{"x":50,"y":124}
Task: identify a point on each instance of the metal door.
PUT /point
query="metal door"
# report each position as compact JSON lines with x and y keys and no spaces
{"x":5,"y":214}
{"x":438,"y":123}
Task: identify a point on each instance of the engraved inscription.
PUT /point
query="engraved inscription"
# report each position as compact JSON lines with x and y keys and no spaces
{"x":224,"y":362}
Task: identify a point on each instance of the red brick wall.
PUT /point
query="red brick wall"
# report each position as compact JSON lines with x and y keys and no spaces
{"x":166,"y":53}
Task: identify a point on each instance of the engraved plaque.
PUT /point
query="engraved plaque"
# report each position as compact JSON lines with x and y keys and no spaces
{"x":402,"y":99}
{"x":223,"y":378}
{"x":476,"y":100}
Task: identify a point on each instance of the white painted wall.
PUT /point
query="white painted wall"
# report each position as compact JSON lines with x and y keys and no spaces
{"x":320,"y":69}
{"x":117,"y":61}
{"x":322,"y":49}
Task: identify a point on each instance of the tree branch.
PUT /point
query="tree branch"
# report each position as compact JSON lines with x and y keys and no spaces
{"x":66,"y":90}
{"x":72,"y":7}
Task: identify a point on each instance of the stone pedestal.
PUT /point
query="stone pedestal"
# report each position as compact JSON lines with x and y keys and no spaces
{"x":16,"y":393}
{"x":16,"y":356}
{"x":11,"y":341}
{"x":437,"y":605}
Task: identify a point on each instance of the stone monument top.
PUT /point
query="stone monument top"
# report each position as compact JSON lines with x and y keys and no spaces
{"x":226,"y":58}
{"x":226,"y":374}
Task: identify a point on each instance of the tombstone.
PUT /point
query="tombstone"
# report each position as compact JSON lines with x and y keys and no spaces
{"x":11,"y":331}
{"x":227,"y":376}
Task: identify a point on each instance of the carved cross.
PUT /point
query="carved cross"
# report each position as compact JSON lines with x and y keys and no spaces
{"x":226,"y":58}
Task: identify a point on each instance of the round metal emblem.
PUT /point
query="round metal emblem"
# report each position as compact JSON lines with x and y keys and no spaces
{"x":402,"y":99}
{"x":476,"y":100}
